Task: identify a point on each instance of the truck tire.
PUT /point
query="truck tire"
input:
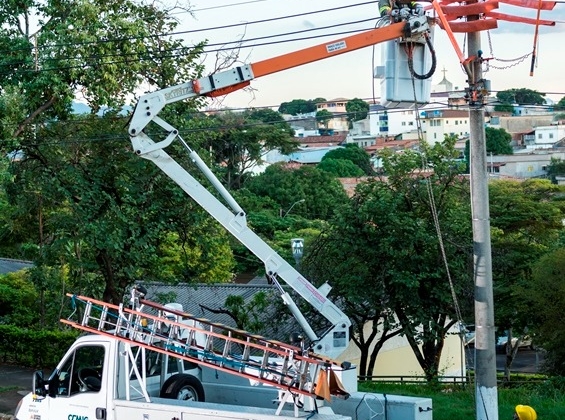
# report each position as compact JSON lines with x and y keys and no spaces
{"x":183,"y":387}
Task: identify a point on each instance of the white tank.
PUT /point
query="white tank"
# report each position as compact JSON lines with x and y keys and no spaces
{"x":397,"y":89}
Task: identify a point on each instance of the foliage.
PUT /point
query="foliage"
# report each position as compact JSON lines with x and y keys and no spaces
{"x":321,"y":191}
{"x":498,"y":141}
{"x":353,"y":153}
{"x":560,"y":105}
{"x":383,"y":259}
{"x":18,"y":299}
{"x":526,"y":219}
{"x":341,"y":168}
{"x":544,"y":299}
{"x":240,"y":140}
{"x":299,"y":106}
{"x":111,"y":221}
{"x":504,"y":108}
{"x":36,"y":348}
{"x":357,"y":109}
{"x":555,"y":168}
{"x":323,"y":117}
{"x":102,"y":49}
{"x":521,"y":96}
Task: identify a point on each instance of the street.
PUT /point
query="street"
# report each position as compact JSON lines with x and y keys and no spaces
{"x":526,"y":361}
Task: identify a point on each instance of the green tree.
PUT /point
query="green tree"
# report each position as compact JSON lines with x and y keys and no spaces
{"x":321,"y":191}
{"x":521,"y":96}
{"x":383,"y":257}
{"x":353,"y":153}
{"x":555,"y":168}
{"x":357,"y":109}
{"x":504,"y":108}
{"x":341,"y":168}
{"x":299,"y":106}
{"x":560,"y":105}
{"x":111,"y":221}
{"x":101,"y":49}
{"x":240,"y":140}
{"x":544,"y":298}
{"x":498,"y":141}
{"x":526,"y":220}
{"x":18,"y":300}
{"x":324,"y":117}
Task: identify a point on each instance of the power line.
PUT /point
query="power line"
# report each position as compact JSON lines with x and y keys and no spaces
{"x":164,"y":56}
{"x":227,"y":5}
{"x":212,"y":28}
{"x":223,"y":46}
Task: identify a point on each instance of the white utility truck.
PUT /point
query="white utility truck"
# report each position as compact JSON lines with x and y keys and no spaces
{"x":152,"y":362}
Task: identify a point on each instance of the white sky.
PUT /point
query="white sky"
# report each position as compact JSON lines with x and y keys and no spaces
{"x":350,"y":75}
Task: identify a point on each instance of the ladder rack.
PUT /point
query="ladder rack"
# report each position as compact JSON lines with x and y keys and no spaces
{"x":184,"y":336}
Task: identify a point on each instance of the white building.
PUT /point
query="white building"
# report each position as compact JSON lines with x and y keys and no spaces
{"x":545,"y":137}
{"x":441,"y":122}
{"x":385,"y":122}
{"x":532,"y":164}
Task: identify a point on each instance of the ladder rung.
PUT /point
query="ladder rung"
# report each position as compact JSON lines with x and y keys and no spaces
{"x":224,"y":348}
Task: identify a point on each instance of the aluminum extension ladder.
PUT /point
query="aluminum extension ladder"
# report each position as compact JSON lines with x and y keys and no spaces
{"x":181,"y":335}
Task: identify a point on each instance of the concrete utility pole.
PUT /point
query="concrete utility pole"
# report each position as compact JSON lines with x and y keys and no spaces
{"x":485,"y":352}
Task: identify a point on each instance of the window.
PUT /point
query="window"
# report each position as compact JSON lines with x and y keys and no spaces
{"x":540,"y":136}
{"x":81,"y":372}
{"x":550,"y":135}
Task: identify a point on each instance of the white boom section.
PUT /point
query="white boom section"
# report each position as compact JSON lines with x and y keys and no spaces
{"x":334,"y":341}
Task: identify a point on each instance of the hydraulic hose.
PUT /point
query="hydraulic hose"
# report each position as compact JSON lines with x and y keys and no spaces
{"x":434,"y":61}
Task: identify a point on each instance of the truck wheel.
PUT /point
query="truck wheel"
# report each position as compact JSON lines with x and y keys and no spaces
{"x":183,"y":387}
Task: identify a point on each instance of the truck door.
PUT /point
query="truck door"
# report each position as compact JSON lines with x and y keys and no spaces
{"x":78,"y":390}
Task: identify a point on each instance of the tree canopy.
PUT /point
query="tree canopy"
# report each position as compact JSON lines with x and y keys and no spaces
{"x":342,"y":168}
{"x":357,"y":109}
{"x":323,"y":117}
{"x":322,"y":192}
{"x":383,"y":257}
{"x":352,"y":153}
{"x":238,"y":141}
{"x":559,"y":106}
{"x":521,"y":96}
{"x":498,"y":141}
{"x":101,"y":49}
{"x":111,"y":221}
{"x":543,"y":299}
{"x":299,"y":106}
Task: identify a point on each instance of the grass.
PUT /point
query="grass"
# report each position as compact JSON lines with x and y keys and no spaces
{"x":8,"y":388}
{"x":458,"y":402}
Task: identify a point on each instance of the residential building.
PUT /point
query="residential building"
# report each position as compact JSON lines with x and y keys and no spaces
{"x":336,"y":107}
{"x":544,"y":137}
{"x":390,"y":122}
{"x":441,"y":122}
{"x":528,"y":164}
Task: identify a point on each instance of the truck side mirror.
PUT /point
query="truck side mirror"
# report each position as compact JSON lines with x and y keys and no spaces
{"x":38,"y":384}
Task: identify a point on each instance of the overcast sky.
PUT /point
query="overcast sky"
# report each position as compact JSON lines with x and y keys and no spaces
{"x":350,"y":75}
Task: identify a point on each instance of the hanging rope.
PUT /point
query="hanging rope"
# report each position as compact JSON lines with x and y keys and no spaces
{"x":433,"y":208}
{"x":409,"y":48}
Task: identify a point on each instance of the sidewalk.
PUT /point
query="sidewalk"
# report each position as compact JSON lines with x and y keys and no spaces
{"x":18,"y":380}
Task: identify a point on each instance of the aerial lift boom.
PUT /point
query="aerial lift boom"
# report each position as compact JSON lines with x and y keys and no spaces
{"x":334,"y":340}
